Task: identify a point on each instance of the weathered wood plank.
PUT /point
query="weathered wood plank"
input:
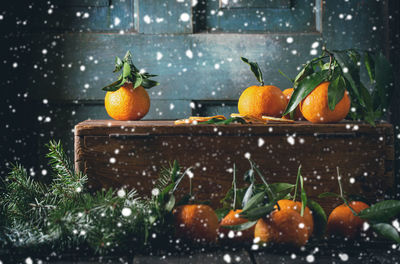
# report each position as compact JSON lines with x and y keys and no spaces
{"x":131,"y":154}
{"x":165,"y":17}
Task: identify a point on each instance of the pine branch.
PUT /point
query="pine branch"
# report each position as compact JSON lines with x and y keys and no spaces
{"x":66,"y":182}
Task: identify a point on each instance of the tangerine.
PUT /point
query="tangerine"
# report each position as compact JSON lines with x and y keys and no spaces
{"x":196,"y":223}
{"x":307,"y":214}
{"x":315,"y":106}
{"x":231,"y":219}
{"x":282,"y":227}
{"x":267,"y":100}
{"x":343,"y":222}
{"x":127,"y":103}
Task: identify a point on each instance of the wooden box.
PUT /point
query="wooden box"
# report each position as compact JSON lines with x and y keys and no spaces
{"x":116,"y":154}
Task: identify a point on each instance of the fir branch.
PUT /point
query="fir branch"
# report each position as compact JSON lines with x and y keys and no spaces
{"x":66,"y":182}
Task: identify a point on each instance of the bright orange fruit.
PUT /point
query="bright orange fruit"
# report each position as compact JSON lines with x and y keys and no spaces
{"x":231,"y":219}
{"x":315,"y":106}
{"x":342,"y":221}
{"x":196,"y":223}
{"x":282,"y":227}
{"x":267,"y":100}
{"x":307,"y":215}
{"x":127,"y":103}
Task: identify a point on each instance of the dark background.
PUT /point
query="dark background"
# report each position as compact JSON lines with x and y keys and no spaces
{"x":45,"y":44}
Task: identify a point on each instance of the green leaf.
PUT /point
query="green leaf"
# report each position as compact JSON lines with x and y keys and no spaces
{"x":247,"y":195}
{"x":306,"y":71}
{"x":258,"y":212}
{"x":254,"y":201}
{"x":115,"y":85}
{"x":382,"y":211}
{"x":255,"y":69}
{"x":126,"y":72}
{"x":319,"y":217}
{"x":303,"y":196}
{"x":370,"y":66}
{"x":170,"y":204}
{"x":128,"y":57}
{"x":118,"y":64}
{"x":351,"y":71}
{"x":304,"y":88}
{"x":328,"y":194}
{"x":336,"y":91}
{"x":138,"y":80}
{"x":147,"y":83}
{"x":387,"y":231}
{"x":240,"y":227}
{"x":280,"y":188}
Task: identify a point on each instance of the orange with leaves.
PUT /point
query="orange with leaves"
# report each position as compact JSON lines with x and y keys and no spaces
{"x":284,"y":226}
{"x":342,"y":221}
{"x":231,"y":219}
{"x":314,"y":107}
{"x":127,"y":103}
{"x":267,"y":100}
{"x":127,"y":99}
{"x":307,"y":215}
{"x":196,"y":223}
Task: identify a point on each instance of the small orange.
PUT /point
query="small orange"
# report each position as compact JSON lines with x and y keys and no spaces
{"x":196,"y":223}
{"x":233,"y":218}
{"x":297,"y":113}
{"x":342,"y":222}
{"x":265,"y":100}
{"x":282,"y":227}
{"x":127,"y":103}
{"x":307,"y":215}
{"x":315,"y":106}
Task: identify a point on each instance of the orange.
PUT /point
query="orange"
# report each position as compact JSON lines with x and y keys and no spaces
{"x":265,"y":100}
{"x":342,"y":222}
{"x":282,"y":227}
{"x":196,"y":223}
{"x":127,"y":103}
{"x":297,"y":113}
{"x":315,"y":106}
{"x":233,"y":218}
{"x":307,"y":215}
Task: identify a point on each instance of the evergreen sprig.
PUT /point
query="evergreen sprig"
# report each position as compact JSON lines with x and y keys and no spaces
{"x":63,"y":216}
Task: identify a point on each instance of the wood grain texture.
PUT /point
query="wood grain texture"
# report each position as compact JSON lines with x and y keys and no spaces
{"x":140,"y":149}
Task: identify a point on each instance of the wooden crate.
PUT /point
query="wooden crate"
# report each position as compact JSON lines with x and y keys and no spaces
{"x":116,"y":154}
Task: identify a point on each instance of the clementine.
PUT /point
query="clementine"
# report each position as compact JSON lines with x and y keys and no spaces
{"x":231,"y":219}
{"x":196,"y":223}
{"x":282,"y":227}
{"x":307,"y":215}
{"x":267,"y":100}
{"x":315,"y":106}
{"x":127,"y":103}
{"x":342,"y":221}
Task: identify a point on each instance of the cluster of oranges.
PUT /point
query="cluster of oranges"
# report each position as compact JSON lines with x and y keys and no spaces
{"x":283,"y":226}
{"x":268,"y":100}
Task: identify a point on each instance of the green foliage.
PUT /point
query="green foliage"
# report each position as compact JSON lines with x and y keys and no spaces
{"x":130,"y":74}
{"x":62,"y":216}
{"x":255,"y":69}
{"x":343,"y":72}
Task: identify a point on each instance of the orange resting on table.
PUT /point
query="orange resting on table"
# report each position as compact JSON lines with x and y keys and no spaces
{"x":231,"y":219}
{"x":315,"y":106}
{"x":127,"y":103}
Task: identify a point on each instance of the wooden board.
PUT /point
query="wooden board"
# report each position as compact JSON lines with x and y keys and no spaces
{"x":116,"y":154}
